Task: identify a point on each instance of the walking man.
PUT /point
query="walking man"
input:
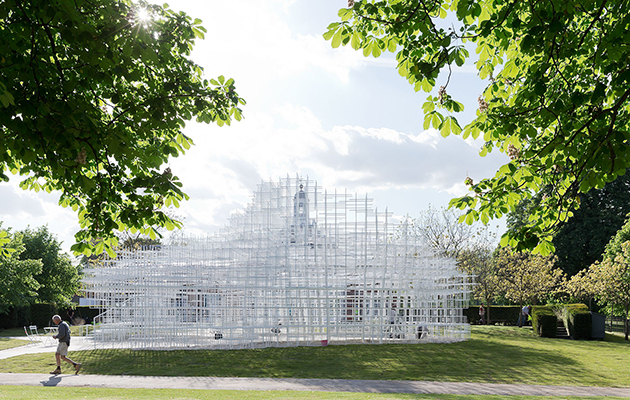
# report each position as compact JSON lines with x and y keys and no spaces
{"x":63,"y":335}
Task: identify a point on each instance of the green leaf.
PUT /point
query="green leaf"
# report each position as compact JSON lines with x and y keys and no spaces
{"x":544,"y":248}
{"x":345,"y":14}
{"x":391,"y":45}
{"x":427,"y":86}
{"x":198,"y":33}
{"x":336,"y":40}
{"x":449,"y":125}
{"x":428,"y":107}
{"x":367,"y":48}
{"x":330,"y":32}
{"x":356,"y":41}
{"x":110,"y":252}
{"x":436,"y":120}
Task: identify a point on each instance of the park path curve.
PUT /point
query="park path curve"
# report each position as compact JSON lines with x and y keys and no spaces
{"x":324,"y":385}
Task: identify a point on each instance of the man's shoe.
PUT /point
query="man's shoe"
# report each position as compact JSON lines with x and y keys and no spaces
{"x":77,"y":367}
{"x":56,"y":372}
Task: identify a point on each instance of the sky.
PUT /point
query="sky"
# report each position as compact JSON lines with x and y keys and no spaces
{"x":332,"y":115}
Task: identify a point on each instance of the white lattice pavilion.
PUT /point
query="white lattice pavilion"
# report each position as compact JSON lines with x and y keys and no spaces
{"x":298,"y":267}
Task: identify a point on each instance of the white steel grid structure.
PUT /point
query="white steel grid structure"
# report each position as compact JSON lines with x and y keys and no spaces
{"x":298,"y":267}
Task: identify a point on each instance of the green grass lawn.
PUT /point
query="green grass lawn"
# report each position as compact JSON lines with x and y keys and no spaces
{"x":6,"y":343}
{"x":494,"y":354}
{"x":67,"y":393}
{"x":75,"y":330}
{"x":12,"y":332}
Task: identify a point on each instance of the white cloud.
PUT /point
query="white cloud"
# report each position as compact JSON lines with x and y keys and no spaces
{"x":257,"y":47}
{"x":430,"y":136}
{"x":22,"y":209}
{"x":227,"y":164}
{"x":19,"y":204}
{"x":386,"y":134}
{"x":304,"y":115}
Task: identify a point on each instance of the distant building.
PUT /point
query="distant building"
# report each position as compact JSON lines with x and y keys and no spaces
{"x":299,"y":267}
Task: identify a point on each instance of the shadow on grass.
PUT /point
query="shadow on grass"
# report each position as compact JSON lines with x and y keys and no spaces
{"x":467,"y":361}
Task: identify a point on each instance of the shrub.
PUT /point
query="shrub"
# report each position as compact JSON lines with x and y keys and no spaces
{"x":41,"y":314}
{"x":508,"y":314}
{"x":21,"y":316}
{"x":577,"y":319}
{"x":472,"y":315}
{"x":544,"y":321}
{"x":14,"y":317}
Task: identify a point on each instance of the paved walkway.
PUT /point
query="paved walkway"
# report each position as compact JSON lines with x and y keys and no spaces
{"x":326,"y":385}
{"x":45,"y":345}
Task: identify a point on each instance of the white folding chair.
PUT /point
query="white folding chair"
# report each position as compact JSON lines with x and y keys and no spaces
{"x":33,"y":329}
{"x":29,"y":336}
{"x":39,"y":337}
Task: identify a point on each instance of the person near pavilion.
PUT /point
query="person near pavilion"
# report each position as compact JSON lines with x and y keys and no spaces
{"x":63,"y":336}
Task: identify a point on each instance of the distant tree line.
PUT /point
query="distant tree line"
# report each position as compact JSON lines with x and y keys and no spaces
{"x":591,"y":262}
{"x":35,"y":270}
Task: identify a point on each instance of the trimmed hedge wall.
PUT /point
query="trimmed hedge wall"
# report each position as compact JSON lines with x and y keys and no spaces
{"x":506,"y":314}
{"x":578,"y":321}
{"x":544,"y":321}
{"x":35,"y":314}
{"x":40,"y":314}
{"x":16,"y":316}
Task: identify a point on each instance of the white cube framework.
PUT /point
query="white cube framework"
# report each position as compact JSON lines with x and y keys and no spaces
{"x":298,"y":267}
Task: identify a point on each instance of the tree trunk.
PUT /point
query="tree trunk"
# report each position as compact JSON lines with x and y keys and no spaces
{"x":625,"y":324}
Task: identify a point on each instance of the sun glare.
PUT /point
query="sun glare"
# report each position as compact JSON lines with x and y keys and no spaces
{"x":142,"y":16}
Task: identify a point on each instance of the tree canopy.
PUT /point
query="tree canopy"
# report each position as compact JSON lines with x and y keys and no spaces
{"x":93,"y":100}
{"x":556,"y":100}
{"x":479,"y":262}
{"x":525,"y":277}
{"x":441,"y":230}
{"x":582,"y":239}
{"x":608,"y":281}
{"x":18,"y":286}
{"x":58,"y":280}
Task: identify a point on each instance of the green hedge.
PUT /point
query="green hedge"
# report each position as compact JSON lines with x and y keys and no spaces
{"x":577,"y":319}
{"x":506,"y":314}
{"x":41,"y":314}
{"x":472,"y":315}
{"x":544,"y":321}
{"x":15,"y":317}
